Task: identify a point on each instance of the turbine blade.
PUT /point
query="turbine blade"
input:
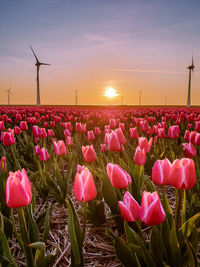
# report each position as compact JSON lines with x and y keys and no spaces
{"x":44,"y":64}
{"x":34,"y":54}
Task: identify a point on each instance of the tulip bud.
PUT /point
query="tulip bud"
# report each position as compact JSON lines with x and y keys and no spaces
{"x":188,"y":150}
{"x":152,"y":211}
{"x":129,"y":208}
{"x":140,"y":156}
{"x":160,"y":172}
{"x":119,"y":178}
{"x":8,"y":138}
{"x":18,"y":189}
{"x":44,"y":155}
{"x":89,"y":153}
{"x":59,"y":147}
{"x":182,"y":173}
{"x":84,"y":187}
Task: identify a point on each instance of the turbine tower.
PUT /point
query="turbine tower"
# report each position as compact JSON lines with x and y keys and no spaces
{"x":38,"y":64}
{"x":76,"y":97}
{"x":140,"y":98}
{"x":191,"y":69}
{"x":8,"y":91}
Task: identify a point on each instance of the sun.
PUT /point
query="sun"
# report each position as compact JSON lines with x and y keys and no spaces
{"x":110,"y":92}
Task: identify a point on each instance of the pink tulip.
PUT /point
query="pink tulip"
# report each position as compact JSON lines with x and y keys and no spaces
{"x":18,"y":189}
{"x":187,"y":135}
{"x":84,"y":187}
{"x":50,"y":132}
{"x":140,"y":156}
{"x":67,"y":132}
{"x":97,"y":131}
{"x":17,"y":130}
{"x":173,"y":131}
{"x":160,"y":172}
{"x":59,"y":147}
{"x":44,"y":155}
{"x":37,"y":149}
{"x":120,"y":136}
{"x":36,"y":131}
{"x":134,"y":133}
{"x":143,"y":143}
{"x":182,"y":173}
{"x":8,"y":138}
{"x":2,"y":127}
{"x":23,"y":125}
{"x":119,"y":178}
{"x":188,"y":150}
{"x":90,"y":136}
{"x":129,"y":208}
{"x":192,"y":137}
{"x":197,"y":139}
{"x":112,"y":141}
{"x":43,"y":133}
{"x":89,"y":154}
{"x":68,"y":141}
{"x":161,"y":133}
{"x":152,"y":212}
{"x":103,"y":147}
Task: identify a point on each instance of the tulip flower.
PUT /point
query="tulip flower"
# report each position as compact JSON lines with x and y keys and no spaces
{"x":192,"y":137}
{"x":120,"y":136}
{"x":23,"y":125}
{"x":161,"y":133}
{"x":119,"y":178}
{"x":43,"y":133}
{"x":89,"y":154}
{"x":112,"y":141}
{"x":3,"y":164}
{"x":67,"y":132}
{"x":188,"y":150}
{"x":50,"y":132}
{"x":143,"y":143}
{"x":2,"y":127}
{"x":8,"y":138}
{"x":80,"y":168}
{"x":17,"y":130}
{"x":37,"y":149}
{"x":84,"y":187}
{"x":134,"y":133}
{"x":18,"y":189}
{"x":36,"y":131}
{"x":173,"y":131}
{"x":197,"y":139}
{"x":68,"y":141}
{"x":103,"y":147}
{"x":90,"y":136}
{"x":59,"y":147}
{"x":182,"y":173}
{"x":152,"y":211}
{"x":44,"y":155}
{"x":97,"y":131}
{"x":160,"y":172}
{"x":129,"y":208}
{"x":112,"y":123}
{"x":140,"y":156}
{"x":187,"y":135}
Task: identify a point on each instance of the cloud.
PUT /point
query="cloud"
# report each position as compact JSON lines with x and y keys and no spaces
{"x":95,"y":37}
{"x":150,"y":71}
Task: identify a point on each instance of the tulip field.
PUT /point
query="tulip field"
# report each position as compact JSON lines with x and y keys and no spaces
{"x":99,"y":186}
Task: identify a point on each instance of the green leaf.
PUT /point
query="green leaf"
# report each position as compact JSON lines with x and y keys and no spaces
{"x":123,"y":252}
{"x":46,"y":225}
{"x":74,"y":231}
{"x":4,"y":242}
{"x":175,"y":247}
{"x":188,"y":226}
{"x":192,"y":254}
{"x":40,"y":253}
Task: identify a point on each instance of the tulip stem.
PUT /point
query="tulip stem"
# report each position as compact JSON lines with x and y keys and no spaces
{"x":84,"y":220}
{"x":178,"y":215}
{"x":25,"y":237}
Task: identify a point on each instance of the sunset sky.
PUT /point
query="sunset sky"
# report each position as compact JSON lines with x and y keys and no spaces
{"x":95,"y":44}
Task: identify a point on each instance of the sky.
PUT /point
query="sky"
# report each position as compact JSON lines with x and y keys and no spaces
{"x":129,"y":45}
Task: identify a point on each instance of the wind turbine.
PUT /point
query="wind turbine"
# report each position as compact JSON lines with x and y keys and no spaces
{"x":191,"y":69}
{"x":76,"y":97}
{"x":8,"y":91}
{"x":140,"y":98}
{"x":38,"y":64}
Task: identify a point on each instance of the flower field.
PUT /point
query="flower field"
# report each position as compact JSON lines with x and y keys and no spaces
{"x":104,"y":186}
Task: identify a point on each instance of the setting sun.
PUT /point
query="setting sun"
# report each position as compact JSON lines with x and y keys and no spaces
{"x":110,"y":92}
